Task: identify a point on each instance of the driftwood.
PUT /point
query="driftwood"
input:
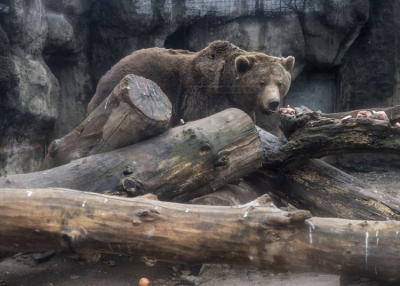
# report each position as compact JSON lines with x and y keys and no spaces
{"x":137,"y":109}
{"x":319,"y":187}
{"x":256,"y":234}
{"x":181,"y":164}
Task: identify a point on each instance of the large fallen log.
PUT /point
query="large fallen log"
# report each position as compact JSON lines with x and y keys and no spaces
{"x":320,"y":188}
{"x":137,"y":109}
{"x":326,"y":191}
{"x":311,"y":135}
{"x":181,"y":164}
{"x":256,"y":234}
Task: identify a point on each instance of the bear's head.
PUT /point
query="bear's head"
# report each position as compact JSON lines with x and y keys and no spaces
{"x":262,"y":81}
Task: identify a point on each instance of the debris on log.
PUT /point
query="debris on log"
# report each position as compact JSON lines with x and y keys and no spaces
{"x":393,"y":113}
{"x":137,"y":109}
{"x":183,"y":163}
{"x":255,"y":234}
{"x":311,"y":135}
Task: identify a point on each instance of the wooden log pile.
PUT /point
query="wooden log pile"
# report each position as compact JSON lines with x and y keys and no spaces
{"x":125,"y":148}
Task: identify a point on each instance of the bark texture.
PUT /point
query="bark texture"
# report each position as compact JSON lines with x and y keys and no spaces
{"x":311,"y":135}
{"x":319,"y":187}
{"x":180,"y":164}
{"x":256,"y":233}
{"x":326,"y":191}
{"x":137,"y":109}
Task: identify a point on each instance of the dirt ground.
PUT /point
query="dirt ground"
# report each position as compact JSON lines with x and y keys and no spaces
{"x":63,"y":270}
{"x":118,"y":270}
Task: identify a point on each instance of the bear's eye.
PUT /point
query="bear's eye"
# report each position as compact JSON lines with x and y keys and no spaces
{"x":262,"y":83}
{"x":279,"y":83}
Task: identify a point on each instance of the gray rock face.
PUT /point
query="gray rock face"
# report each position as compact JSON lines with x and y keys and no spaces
{"x":330,"y":28}
{"x":8,"y":76}
{"x":54,"y":52}
{"x":370,"y":74}
{"x":52,"y":81}
{"x":264,"y":35}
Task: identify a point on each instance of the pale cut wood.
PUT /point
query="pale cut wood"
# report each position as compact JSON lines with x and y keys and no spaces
{"x":137,"y":109}
{"x":256,"y":234}
{"x":181,"y":164}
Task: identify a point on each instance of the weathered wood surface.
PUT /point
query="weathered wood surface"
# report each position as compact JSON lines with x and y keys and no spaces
{"x":137,"y":109}
{"x":311,"y":135}
{"x":321,"y":188}
{"x":256,"y":233}
{"x":181,"y":164}
{"x":326,"y":191}
{"x":228,"y":195}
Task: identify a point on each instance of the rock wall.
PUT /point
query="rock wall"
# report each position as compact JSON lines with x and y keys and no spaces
{"x":370,"y":75}
{"x":47,"y":44}
{"x":55,"y":51}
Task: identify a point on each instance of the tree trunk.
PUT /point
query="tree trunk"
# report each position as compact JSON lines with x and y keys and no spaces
{"x":313,"y":136}
{"x":137,"y":109}
{"x":326,"y":191}
{"x":256,"y":234}
{"x":320,"y":188}
{"x":181,"y":164}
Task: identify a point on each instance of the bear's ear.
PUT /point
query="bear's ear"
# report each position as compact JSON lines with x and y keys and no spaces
{"x":243,"y":64}
{"x":288,"y":63}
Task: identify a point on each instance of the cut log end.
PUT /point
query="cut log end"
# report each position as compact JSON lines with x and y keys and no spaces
{"x":147,"y":97}
{"x":137,"y":109}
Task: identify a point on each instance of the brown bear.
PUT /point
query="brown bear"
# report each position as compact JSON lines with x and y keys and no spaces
{"x":200,"y":84}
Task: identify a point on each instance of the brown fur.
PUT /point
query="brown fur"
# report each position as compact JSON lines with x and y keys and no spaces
{"x":200,"y":84}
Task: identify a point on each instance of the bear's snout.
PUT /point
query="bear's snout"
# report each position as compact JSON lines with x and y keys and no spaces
{"x":273,"y":105}
{"x":269,"y":99}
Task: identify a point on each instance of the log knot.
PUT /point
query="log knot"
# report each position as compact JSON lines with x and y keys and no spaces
{"x":128,"y":170}
{"x":205,"y":147}
{"x":72,"y":238}
{"x":53,"y":148}
{"x":190,"y":132}
{"x":145,"y":215}
{"x":133,"y":187}
{"x":299,"y":216}
{"x":264,"y":200}
{"x":80,"y":128}
{"x":222,"y":162}
{"x":282,"y":218}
